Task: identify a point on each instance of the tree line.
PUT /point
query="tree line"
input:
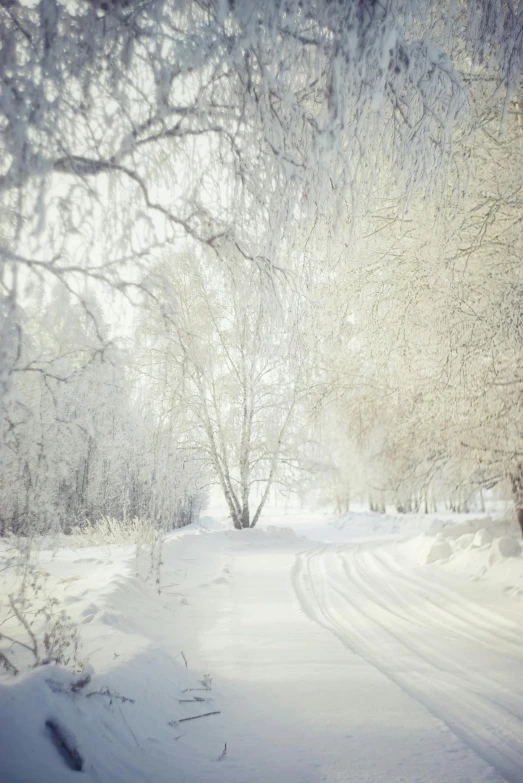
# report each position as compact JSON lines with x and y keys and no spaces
{"x":256,"y":243}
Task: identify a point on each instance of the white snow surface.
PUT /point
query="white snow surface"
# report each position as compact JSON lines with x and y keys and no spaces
{"x":333,"y":648}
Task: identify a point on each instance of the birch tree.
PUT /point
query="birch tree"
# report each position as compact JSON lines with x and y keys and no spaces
{"x":227,"y":352}
{"x":128,"y":126}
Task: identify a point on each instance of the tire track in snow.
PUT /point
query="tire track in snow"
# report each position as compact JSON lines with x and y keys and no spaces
{"x":438,"y":651}
{"x":467,"y":613}
{"x":338,"y":601}
{"x":419,"y":609}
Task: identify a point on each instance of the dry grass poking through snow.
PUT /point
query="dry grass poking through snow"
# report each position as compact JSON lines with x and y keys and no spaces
{"x":34,"y":628}
{"x":108,"y":530}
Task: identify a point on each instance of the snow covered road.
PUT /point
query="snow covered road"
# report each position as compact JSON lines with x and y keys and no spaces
{"x":459,"y":659}
{"x":322,"y":659}
{"x":400,"y":676}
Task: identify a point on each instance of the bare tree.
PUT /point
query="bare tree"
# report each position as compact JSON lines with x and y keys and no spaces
{"x":227,"y":352}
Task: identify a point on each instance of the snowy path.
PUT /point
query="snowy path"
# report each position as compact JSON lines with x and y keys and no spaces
{"x":425,"y":686}
{"x":331,"y":660}
{"x":461,"y":661}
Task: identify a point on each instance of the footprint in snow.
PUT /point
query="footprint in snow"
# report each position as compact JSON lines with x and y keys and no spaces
{"x":89,"y":613}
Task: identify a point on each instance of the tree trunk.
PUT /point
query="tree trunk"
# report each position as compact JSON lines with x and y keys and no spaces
{"x":245,"y":517}
{"x":519,"y":517}
{"x":517,"y":494}
{"x":481,"y":501}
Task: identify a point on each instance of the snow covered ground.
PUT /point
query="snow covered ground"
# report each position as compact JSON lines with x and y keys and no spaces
{"x":358,"y":647}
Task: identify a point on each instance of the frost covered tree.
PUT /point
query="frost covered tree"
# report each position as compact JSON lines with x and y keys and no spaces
{"x":426,"y":375}
{"x":77,"y":442}
{"x":127,"y":125}
{"x":274,"y":110}
{"x":224,"y":348}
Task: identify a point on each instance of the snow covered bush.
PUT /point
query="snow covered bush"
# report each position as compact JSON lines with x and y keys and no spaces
{"x":79,"y":443}
{"x":35,"y":629}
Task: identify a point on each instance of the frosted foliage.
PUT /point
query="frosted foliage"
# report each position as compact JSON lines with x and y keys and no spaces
{"x":240,"y":130}
{"x":427,"y":361}
{"x":316,"y":95}
{"x":225,"y":356}
{"x":127,"y":125}
{"x":78,"y":443}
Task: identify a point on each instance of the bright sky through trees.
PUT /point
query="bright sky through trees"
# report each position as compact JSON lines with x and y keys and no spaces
{"x":259,"y":251}
{"x":357,"y":163}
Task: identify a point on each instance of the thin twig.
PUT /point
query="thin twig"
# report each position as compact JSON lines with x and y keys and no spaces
{"x":15,"y":641}
{"x":6,"y":663}
{"x":194,"y":717}
{"x":124,"y":720}
{"x":110,"y":695}
{"x":21,"y":619}
{"x":184,"y":658}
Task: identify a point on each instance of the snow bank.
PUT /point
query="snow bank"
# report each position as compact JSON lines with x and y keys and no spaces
{"x":137,"y":715}
{"x":110,"y":729}
{"x":463,"y":542}
{"x":280,"y":532}
{"x":328,"y":527}
{"x":149,"y":710}
{"x":476,"y":548}
{"x":440,"y":549}
{"x":503,"y":548}
{"x":476,"y":555}
{"x":483,"y":537}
